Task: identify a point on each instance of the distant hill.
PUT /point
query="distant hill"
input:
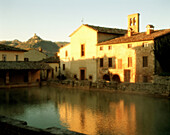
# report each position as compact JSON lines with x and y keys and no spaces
{"x":61,"y":44}
{"x":48,"y":47}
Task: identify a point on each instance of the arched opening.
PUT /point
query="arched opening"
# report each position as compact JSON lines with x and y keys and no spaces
{"x":106,"y":77}
{"x":116,"y":78}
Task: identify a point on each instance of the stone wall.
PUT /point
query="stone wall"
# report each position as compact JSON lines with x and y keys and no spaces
{"x":10,"y":126}
{"x":120,"y":63}
{"x":141,"y":88}
{"x":162,"y":80}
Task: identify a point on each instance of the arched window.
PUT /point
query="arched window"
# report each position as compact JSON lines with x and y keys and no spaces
{"x":130,"y":21}
{"x":134,"y":21}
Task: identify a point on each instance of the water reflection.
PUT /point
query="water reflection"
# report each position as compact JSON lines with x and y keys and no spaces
{"x":108,"y":117}
{"x":87,"y":112}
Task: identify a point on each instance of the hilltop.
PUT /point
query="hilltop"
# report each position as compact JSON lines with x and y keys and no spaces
{"x":48,"y":47}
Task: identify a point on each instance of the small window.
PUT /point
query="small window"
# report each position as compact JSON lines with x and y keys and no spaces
{"x":145,"y":61}
{"x":145,"y":45}
{"x":16,"y":56}
{"x":101,"y":48}
{"x":129,"y":61}
{"x":56,"y":69}
{"x":63,"y":66}
{"x":75,"y":76}
{"x":145,"y":78}
{"x":110,"y":62}
{"x":109,"y":47}
{"x":83,"y":50}
{"x":129,"y":45}
{"x":119,"y":63}
{"x":66,"y":53}
{"x":90,"y":77}
{"x":3,"y":57}
{"x":101,"y":62}
{"x":26,"y":59}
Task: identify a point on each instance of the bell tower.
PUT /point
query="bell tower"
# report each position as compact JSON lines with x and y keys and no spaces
{"x":133,"y":22}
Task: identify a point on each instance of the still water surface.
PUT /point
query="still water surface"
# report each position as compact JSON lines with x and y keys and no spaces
{"x":88,"y":112}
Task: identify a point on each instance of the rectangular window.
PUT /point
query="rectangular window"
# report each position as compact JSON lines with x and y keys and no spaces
{"x":83,"y":50}
{"x":101,"y":48}
{"x":129,"y":45}
{"x":66,"y":53}
{"x":129,"y":61}
{"x":63,"y":66}
{"x":145,"y":79}
{"x":145,"y":61}
{"x":75,"y":77}
{"x":55,"y":69}
{"x":119,"y":63}
{"x":26,"y":59}
{"x":16,"y":56}
{"x":114,"y":62}
{"x":109,"y":47}
{"x":101,"y":62}
{"x":145,"y":45}
{"x":3,"y":57}
{"x":110,"y":62}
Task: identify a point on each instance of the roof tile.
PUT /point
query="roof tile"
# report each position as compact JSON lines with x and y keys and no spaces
{"x":136,"y":37}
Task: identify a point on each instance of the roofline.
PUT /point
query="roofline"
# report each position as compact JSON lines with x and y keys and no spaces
{"x":149,"y":39}
{"x":124,"y":42}
{"x":14,"y":50}
{"x":17,"y":49}
{"x":79,"y":28}
{"x":64,"y":46}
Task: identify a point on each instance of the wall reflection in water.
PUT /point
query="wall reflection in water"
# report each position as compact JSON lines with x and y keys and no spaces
{"x":97,"y":115}
{"x":86,"y":111}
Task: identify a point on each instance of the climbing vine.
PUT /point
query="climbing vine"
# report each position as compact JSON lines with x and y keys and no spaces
{"x":162,"y":52}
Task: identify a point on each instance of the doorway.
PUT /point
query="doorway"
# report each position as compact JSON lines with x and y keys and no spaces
{"x":126,"y":75}
{"x":82,"y":73}
{"x":116,"y":78}
{"x":106,"y":77}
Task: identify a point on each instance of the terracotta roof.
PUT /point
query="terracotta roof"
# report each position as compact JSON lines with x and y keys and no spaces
{"x":10,"y":48}
{"x":51,"y":60}
{"x":107,"y":30}
{"x":103,"y":30}
{"x":137,"y":37}
{"x":23,"y":65}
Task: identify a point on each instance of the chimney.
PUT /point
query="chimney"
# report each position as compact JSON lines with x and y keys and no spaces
{"x":129,"y":32}
{"x":150,"y":29}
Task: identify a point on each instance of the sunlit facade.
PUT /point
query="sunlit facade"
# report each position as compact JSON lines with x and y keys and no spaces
{"x":79,"y":58}
{"x":99,"y":53}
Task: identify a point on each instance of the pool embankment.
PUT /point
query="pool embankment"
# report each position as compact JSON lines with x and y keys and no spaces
{"x":10,"y":126}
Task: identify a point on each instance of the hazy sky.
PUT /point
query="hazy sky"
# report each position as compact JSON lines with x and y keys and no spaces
{"x":56,"y":19}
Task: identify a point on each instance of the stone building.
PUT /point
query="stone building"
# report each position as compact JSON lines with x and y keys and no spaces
{"x":132,"y":58}
{"x":53,"y":62}
{"x":99,"y":53}
{"x":34,"y":55}
{"x":79,"y":58}
{"x":14,"y":71}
